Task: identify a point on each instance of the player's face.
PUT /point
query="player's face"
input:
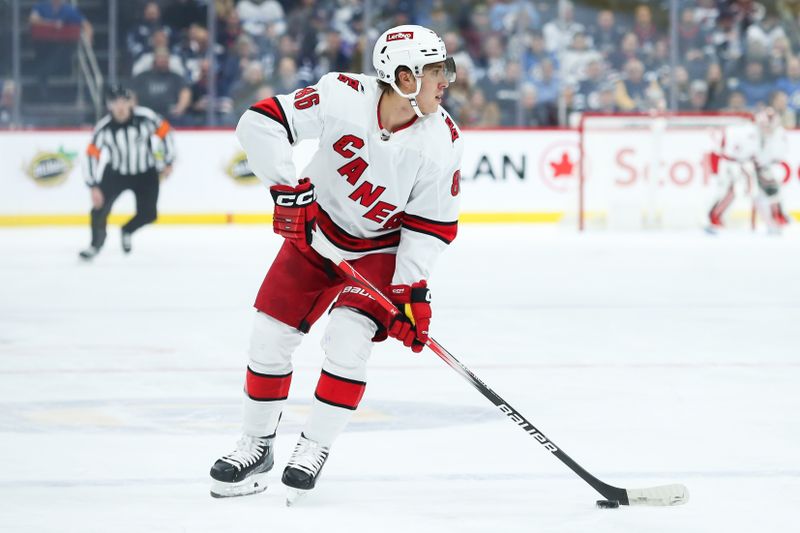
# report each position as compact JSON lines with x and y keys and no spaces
{"x":434,"y":82}
{"x":120,"y":109}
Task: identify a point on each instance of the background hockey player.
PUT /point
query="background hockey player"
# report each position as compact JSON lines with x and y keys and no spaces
{"x":747,"y":152}
{"x":383,"y":188}
{"x":129,"y":147}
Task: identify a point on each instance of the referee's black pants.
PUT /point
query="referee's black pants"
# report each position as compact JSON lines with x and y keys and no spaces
{"x":145,"y":188}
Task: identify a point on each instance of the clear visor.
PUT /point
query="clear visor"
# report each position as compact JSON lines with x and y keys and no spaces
{"x":446,"y":69}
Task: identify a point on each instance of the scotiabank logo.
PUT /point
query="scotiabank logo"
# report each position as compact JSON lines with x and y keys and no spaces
{"x":399,"y":35}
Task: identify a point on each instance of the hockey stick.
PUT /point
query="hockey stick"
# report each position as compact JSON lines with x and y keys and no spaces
{"x":660,"y":495}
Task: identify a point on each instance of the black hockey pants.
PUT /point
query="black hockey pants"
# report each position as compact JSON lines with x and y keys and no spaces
{"x":145,"y":188}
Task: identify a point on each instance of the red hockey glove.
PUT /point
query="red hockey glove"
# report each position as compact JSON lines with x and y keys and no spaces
{"x":412,"y":324}
{"x":295,"y":212}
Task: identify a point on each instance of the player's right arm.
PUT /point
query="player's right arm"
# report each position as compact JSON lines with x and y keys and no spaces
{"x":268,"y":130}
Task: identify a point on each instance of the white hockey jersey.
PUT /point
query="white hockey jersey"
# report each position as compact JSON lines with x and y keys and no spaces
{"x":376,"y":194}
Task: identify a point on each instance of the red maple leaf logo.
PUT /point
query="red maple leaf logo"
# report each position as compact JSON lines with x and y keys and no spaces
{"x":563,"y":167}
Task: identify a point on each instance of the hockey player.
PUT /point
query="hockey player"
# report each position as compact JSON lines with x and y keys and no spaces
{"x":383,"y":187}
{"x":751,"y":150}
{"x":135,"y":144}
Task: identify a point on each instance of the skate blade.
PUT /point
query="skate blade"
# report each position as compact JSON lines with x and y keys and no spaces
{"x":251,"y":485}
{"x":294,"y":495}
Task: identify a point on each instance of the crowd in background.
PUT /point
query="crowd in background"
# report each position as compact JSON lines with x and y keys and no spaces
{"x":515,"y":58}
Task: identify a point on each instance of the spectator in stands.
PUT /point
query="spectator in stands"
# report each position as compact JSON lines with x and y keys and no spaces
{"x":644,"y":28}
{"x":235,"y":61}
{"x":55,"y":29}
{"x":628,"y":49}
{"x":547,"y":84}
{"x":492,"y":62}
{"x":696,"y":63}
{"x":257,"y":15}
{"x":228,"y":30}
{"x":737,"y":103}
{"x":194,"y":51}
{"x":754,"y":86}
{"x":533,"y":54}
{"x":505,"y":92}
{"x":588,"y":91}
{"x":691,"y":34}
{"x":476,"y":31}
{"x":244,"y":92}
{"x":778,"y":58}
{"x":606,"y":100}
{"x":158,"y":40}
{"x":605,"y":34}
{"x":140,"y":37}
{"x":780,"y":103}
{"x":480,"y":112}
{"x":201,"y":101}
{"x":454,"y":45}
{"x":717,"y":98}
{"x":181,"y":14}
{"x":726,"y":42}
{"x":508,"y":16}
{"x":634,"y":92}
{"x":576,"y":57}
{"x":162,"y":90}
{"x":698,"y":97}
{"x":286,"y":78}
{"x":532,"y":113}
{"x":439,"y":19}
{"x":790,"y":84}
{"x":558,"y":33}
{"x":765,"y":31}
{"x":331,"y":55}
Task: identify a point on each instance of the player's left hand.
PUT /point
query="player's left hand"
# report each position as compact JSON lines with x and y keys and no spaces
{"x":295,"y":214}
{"x":166,"y":172}
{"x":411,"y":325}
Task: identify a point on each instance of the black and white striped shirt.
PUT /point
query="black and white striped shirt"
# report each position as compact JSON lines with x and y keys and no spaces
{"x":130,"y":147}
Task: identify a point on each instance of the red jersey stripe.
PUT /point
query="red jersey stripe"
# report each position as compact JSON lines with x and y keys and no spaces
{"x":345,"y":241}
{"x":444,"y":231}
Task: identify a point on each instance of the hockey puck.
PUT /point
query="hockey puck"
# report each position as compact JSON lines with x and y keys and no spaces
{"x":607,"y":504}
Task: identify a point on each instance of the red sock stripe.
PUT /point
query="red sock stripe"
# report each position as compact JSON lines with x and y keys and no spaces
{"x":340,"y":392}
{"x":267,"y":388}
{"x":444,"y":231}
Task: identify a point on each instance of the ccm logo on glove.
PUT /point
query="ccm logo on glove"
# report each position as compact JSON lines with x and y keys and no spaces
{"x":295,"y":214}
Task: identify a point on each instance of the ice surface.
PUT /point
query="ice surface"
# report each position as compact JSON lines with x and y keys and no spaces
{"x":650,"y":358}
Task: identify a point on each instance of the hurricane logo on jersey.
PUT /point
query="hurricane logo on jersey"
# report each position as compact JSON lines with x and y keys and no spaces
{"x":50,"y":168}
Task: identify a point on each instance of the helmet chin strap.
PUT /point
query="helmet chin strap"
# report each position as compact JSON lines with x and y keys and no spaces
{"x":411,"y":97}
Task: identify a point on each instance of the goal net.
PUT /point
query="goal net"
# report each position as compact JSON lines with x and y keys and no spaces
{"x":653,"y":170}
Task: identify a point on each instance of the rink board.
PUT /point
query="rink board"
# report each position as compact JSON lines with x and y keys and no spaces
{"x":508,"y":175}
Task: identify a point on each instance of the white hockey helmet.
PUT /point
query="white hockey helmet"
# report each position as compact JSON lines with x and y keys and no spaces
{"x":412,"y":47}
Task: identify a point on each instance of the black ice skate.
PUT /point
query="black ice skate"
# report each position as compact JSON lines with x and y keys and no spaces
{"x":126,"y":242}
{"x":243,"y":471}
{"x":302,"y":470}
{"x":89,"y":253}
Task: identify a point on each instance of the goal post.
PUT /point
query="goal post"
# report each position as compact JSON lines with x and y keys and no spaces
{"x":653,"y":170}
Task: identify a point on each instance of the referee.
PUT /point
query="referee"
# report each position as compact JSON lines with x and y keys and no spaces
{"x":130,"y":144}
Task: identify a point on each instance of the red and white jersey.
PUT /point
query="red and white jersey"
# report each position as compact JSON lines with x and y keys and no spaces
{"x":773,"y":149}
{"x":376,"y":194}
